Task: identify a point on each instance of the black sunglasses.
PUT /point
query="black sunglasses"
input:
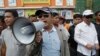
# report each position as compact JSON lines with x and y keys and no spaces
{"x":89,"y":16}
{"x":45,"y":16}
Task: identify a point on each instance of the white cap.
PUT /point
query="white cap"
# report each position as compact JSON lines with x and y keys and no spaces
{"x":87,"y":12}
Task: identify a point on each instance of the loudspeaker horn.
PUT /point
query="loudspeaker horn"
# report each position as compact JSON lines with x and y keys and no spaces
{"x":24,"y":30}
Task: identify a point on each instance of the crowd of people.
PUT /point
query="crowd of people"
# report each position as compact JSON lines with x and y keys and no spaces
{"x":81,"y":39}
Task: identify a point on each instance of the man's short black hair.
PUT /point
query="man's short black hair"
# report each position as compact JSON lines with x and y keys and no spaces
{"x":2,"y":18}
{"x":77,"y":16}
{"x":13,"y":11}
{"x":43,"y":10}
{"x":54,"y":14}
{"x":96,"y":13}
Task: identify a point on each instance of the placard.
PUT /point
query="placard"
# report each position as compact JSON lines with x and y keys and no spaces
{"x":67,"y":14}
{"x":21,"y":13}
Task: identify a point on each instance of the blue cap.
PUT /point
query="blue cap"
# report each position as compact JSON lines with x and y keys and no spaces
{"x":43,"y":9}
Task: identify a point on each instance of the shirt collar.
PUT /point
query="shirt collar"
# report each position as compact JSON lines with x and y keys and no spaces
{"x":53,"y":29}
{"x":86,"y":24}
{"x":8,"y":27}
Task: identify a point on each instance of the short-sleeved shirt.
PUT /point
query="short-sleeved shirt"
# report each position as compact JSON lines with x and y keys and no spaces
{"x":13,"y":47}
{"x":51,"y":43}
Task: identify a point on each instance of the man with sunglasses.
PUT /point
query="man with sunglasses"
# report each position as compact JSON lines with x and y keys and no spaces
{"x":97,"y":25}
{"x":54,"y":41}
{"x":86,"y":36}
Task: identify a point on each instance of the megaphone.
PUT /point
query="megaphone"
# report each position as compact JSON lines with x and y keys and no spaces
{"x":24,"y":30}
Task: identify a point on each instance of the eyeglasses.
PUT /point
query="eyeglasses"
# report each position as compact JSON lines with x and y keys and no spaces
{"x":45,"y":16}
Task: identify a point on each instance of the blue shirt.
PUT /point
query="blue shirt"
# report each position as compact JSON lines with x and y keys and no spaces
{"x":51,"y":43}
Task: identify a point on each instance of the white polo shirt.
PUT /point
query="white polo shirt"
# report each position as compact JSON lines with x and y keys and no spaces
{"x":86,"y":34}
